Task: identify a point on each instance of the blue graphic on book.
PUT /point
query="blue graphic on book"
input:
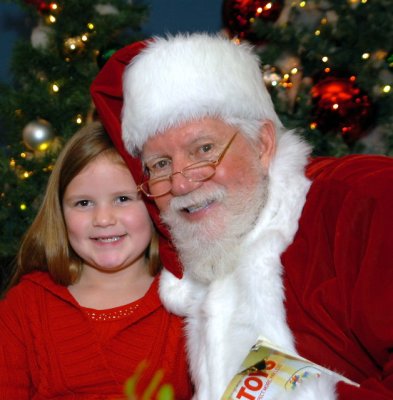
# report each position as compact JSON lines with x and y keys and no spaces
{"x":301,"y":375}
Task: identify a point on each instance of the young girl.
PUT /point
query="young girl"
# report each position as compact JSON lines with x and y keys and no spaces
{"x":83,"y":311}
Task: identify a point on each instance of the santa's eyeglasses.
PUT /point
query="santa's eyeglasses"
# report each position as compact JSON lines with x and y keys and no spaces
{"x":197,"y":172}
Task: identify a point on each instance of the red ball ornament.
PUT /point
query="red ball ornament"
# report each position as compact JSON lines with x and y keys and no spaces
{"x":42,"y":7}
{"x":339,"y":105}
{"x":239,"y":16}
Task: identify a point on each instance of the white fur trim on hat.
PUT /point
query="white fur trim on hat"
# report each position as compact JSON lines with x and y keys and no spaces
{"x":187,"y":77}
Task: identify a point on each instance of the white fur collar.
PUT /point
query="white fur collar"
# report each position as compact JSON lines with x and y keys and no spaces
{"x":225,"y":317}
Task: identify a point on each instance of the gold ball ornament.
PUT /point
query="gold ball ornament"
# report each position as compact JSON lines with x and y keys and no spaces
{"x":73,"y":46}
{"x":38,"y":135}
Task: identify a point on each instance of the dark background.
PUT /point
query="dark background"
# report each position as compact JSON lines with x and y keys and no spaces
{"x":166,"y":16}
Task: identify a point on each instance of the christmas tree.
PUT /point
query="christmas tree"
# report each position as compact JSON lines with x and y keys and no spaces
{"x":49,"y":97}
{"x":329,"y":67}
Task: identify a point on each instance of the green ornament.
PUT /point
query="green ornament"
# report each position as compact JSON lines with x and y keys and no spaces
{"x":389,"y":60}
{"x":104,"y":55}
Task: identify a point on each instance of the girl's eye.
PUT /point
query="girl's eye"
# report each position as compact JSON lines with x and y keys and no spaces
{"x":83,"y":203}
{"x":124,"y":199}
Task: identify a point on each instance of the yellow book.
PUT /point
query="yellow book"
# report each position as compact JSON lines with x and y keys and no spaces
{"x":269,"y":370}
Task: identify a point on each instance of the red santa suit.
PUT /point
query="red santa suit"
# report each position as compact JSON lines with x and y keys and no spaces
{"x":329,"y":297}
{"x":338,"y":273}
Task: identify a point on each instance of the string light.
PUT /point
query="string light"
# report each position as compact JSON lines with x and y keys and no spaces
{"x":294,"y":70}
{"x":43,"y":146}
{"x":49,"y":168}
{"x":325,"y":59}
{"x":55,"y":88}
{"x":26,"y":155}
{"x":286,"y":83}
{"x":24,"y":174}
{"x":79,"y":119}
{"x":386,"y":89}
{"x":23,"y":206}
{"x":365,"y":56}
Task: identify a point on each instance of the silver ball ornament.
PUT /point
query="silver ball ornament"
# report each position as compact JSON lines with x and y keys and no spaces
{"x":38,"y":134}
{"x":40,"y":36}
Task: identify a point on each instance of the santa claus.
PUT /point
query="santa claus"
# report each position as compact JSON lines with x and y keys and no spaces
{"x":267,"y":241}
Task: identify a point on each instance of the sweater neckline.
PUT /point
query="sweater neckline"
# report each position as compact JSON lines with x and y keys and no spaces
{"x":145,"y":304}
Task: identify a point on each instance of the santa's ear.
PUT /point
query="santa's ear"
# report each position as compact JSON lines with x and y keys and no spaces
{"x":267,"y":143}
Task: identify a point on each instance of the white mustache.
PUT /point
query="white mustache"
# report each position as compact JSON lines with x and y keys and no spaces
{"x":199,"y":196}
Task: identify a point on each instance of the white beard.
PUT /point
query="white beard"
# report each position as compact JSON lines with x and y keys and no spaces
{"x":214,"y":250}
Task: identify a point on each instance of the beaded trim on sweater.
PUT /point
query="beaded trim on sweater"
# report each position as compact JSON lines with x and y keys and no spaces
{"x":107,"y":315}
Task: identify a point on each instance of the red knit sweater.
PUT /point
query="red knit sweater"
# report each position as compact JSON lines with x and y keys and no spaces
{"x":51,"y":348}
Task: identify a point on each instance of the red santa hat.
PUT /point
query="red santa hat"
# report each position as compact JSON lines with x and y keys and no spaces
{"x":187,"y":77}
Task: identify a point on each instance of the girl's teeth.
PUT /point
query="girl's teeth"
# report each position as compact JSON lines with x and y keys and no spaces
{"x":109,"y":240}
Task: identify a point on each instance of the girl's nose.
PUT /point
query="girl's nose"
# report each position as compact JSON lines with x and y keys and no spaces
{"x":104,"y":216}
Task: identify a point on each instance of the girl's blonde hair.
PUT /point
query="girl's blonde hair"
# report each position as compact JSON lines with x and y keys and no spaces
{"x":45,"y":245}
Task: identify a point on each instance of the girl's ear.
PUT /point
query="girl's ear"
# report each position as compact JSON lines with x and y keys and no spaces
{"x":267,"y":143}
